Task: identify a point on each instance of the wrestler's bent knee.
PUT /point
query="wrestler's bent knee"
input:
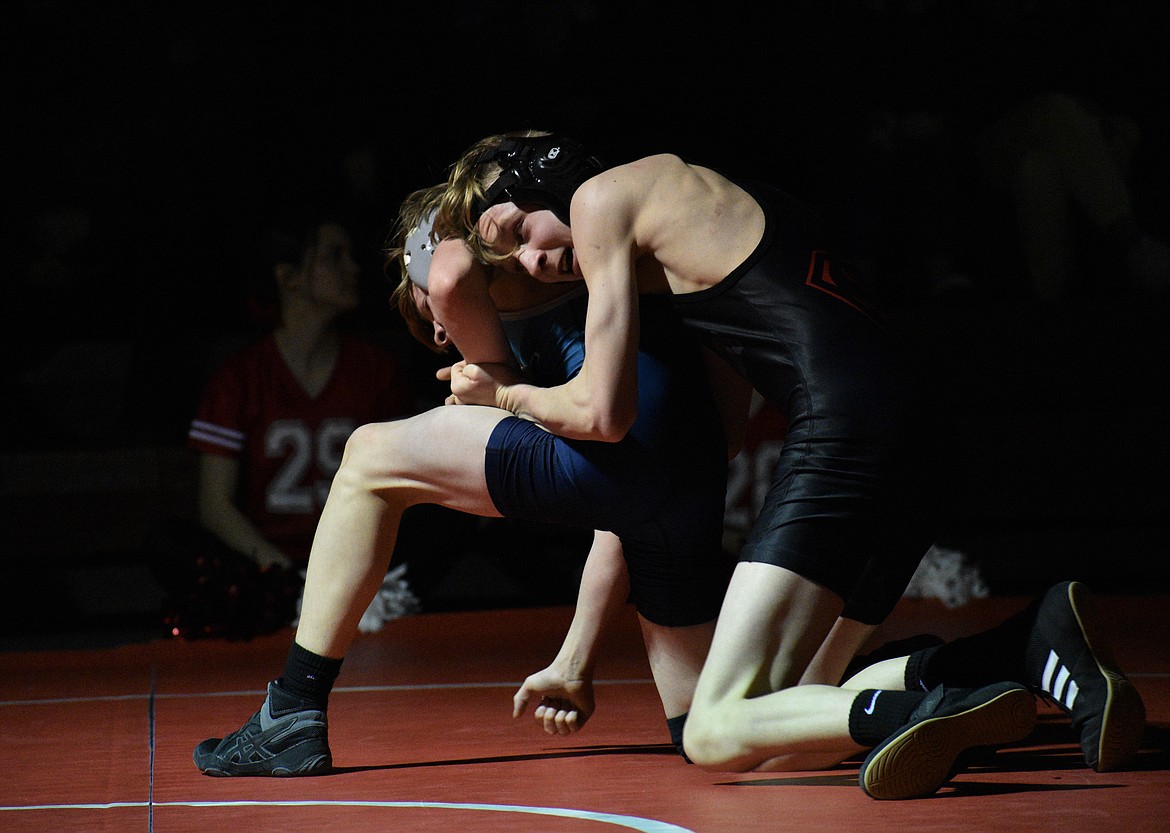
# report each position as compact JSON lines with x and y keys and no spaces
{"x":709,"y":745}
{"x":369,"y":452}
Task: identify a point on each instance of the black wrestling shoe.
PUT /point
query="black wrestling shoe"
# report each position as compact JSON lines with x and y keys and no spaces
{"x":1068,"y":660}
{"x":920,"y":757}
{"x":281,"y":739}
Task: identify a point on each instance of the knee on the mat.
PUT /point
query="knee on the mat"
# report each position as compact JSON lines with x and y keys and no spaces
{"x":709,"y":744}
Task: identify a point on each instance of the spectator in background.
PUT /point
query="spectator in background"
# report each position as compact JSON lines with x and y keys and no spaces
{"x":1063,"y":166}
{"x":1004,"y":147}
{"x":1057,"y":118}
{"x":270,"y":430}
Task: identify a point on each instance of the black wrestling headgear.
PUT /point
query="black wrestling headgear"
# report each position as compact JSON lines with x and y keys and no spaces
{"x":542,"y":169}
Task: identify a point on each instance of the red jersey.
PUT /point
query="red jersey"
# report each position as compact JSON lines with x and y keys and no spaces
{"x":289,"y":444}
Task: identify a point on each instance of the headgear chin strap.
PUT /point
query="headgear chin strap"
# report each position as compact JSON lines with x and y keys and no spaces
{"x":546,"y":170}
{"x":418,"y":250}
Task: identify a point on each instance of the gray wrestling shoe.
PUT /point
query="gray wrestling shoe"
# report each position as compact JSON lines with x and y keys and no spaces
{"x":281,"y":739}
{"x":920,"y":757}
{"x":1068,"y":660}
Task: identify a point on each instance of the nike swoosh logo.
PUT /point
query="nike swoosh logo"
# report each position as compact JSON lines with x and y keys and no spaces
{"x":869,"y":709}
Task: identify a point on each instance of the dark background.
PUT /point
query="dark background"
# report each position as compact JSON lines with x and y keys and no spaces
{"x":147,"y":143}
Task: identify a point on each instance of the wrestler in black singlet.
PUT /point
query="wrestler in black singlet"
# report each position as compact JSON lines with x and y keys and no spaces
{"x":850,"y":506}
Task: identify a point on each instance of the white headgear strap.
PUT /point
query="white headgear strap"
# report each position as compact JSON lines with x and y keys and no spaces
{"x":418,"y":250}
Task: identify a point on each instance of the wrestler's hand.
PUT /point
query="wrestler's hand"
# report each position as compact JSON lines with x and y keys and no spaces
{"x":565,"y":705}
{"x":477,"y":384}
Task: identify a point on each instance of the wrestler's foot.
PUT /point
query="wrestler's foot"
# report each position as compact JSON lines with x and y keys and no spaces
{"x":919,"y":758}
{"x":1069,"y":661}
{"x":283,"y":738}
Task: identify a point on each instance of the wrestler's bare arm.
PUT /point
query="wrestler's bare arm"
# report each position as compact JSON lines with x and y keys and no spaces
{"x":460,"y":298}
{"x":565,"y":688}
{"x":654,"y":225}
{"x":600,"y":402}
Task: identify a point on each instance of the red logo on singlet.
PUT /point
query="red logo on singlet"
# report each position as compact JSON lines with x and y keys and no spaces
{"x":832,"y":278}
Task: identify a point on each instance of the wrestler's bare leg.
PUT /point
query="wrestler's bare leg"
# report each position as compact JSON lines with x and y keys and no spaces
{"x":676,"y":657}
{"x":748,"y":711}
{"x":889,"y":674}
{"x":843,"y":643}
{"x":435,"y":457}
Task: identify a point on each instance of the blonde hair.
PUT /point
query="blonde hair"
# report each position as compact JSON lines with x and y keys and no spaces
{"x":455,"y":203}
{"x":413,"y":211}
{"x":470,"y":177}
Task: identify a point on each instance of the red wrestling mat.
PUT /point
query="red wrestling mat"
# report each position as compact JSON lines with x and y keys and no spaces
{"x":422,"y":734}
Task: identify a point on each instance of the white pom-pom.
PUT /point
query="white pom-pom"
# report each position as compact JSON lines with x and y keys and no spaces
{"x":393,"y":599}
{"x":945,"y":574}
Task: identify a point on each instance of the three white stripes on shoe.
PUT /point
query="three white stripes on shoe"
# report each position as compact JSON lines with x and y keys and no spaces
{"x":1058,"y":682}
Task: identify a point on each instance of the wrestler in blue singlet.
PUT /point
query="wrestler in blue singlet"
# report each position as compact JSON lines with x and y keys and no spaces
{"x":660,"y":489}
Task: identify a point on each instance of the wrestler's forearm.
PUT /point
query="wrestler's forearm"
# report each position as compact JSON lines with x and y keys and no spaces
{"x":604,"y":590}
{"x":571,"y":410}
{"x":460,"y":298}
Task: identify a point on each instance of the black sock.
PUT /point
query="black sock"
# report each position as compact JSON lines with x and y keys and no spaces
{"x":898,"y":648}
{"x":309,"y":676}
{"x":973,"y":661}
{"x":877,"y":713}
{"x":675,"y":726}
{"x":916,"y":665}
